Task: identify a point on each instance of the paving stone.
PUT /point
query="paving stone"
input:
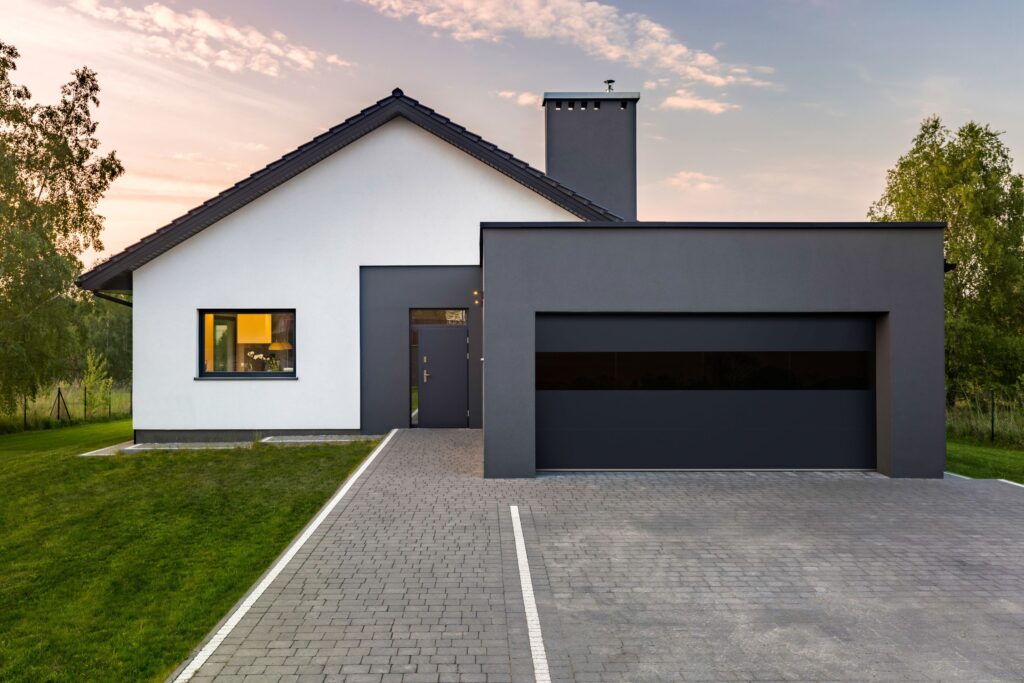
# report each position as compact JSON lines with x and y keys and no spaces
{"x":643,"y":577}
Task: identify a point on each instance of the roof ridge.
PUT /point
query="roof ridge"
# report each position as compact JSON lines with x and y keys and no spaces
{"x":304,"y":156}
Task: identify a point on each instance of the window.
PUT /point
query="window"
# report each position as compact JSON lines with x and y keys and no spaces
{"x":694,"y":370}
{"x":437,"y":316}
{"x":247,"y":343}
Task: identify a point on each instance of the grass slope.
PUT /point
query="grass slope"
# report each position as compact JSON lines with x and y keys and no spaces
{"x":115,"y":568}
{"x":985,"y":462}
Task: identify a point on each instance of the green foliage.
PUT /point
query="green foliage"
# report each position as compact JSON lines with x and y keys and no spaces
{"x":39,"y":413}
{"x":967,"y":179}
{"x":51,"y":178}
{"x":115,"y":568}
{"x":970,"y":418}
{"x":106,"y":329}
{"x":96,"y":381}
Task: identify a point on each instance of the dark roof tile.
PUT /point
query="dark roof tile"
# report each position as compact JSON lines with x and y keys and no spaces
{"x":115,"y":272}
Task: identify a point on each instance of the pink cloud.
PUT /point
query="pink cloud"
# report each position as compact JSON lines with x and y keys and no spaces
{"x":523,"y":99}
{"x":197,"y":38}
{"x":694,"y":180}
{"x":687,"y":100}
{"x":599,"y":29}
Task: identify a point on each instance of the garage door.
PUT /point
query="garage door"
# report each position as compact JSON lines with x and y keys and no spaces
{"x":705,"y":391}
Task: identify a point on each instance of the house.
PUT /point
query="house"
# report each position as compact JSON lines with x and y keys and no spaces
{"x":401,"y":271}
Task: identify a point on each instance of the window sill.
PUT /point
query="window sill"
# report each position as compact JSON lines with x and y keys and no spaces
{"x":244,"y":378}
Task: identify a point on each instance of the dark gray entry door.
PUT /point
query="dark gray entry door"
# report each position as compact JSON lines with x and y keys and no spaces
{"x":443,"y":376}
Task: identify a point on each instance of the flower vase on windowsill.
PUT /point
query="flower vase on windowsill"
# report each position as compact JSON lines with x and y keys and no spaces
{"x":270,"y":363}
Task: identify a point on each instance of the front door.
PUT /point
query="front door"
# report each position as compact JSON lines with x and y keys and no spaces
{"x":443,"y":376}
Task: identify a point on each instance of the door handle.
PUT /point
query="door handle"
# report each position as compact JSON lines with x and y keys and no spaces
{"x":426,"y":376}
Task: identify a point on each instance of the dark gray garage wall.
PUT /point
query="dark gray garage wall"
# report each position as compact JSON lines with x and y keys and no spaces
{"x":860,"y":268}
{"x":386,"y":293}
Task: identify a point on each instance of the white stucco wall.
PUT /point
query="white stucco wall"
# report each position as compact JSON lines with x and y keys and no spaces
{"x":398,"y":196}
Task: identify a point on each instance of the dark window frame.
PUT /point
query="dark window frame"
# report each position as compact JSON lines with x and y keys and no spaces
{"x":202,"y":373}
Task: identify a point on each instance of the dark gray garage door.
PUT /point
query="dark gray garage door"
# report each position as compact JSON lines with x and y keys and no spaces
{"x":705,"y":391}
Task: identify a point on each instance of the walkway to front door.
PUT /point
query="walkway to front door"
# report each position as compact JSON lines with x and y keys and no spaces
{"x":642,"y":576}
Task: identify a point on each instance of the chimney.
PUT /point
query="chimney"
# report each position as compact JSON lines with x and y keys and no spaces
{"x":590,"y":140}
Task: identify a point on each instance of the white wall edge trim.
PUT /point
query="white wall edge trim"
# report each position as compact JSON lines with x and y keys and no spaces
{"x":242,"y":609}
{"x":540,"y":658}
{"x":1012,"y":483}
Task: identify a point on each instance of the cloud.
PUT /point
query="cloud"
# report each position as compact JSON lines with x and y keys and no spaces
{"x":200,"y":159}
{"x":655,"y":84}
{"x":694,"y":180}
{"x":599,"y":29}
{"x":197,"y":38}
{"x":523,"y":99}
{"x":251,"y":146}
{"x":688,"y":100}
{"x":156,"y":187}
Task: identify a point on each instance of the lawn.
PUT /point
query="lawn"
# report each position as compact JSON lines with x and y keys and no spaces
{"x":115,"y":568}
{"x":985,"y":462}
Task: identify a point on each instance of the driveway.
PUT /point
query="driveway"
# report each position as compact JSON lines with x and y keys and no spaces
{"x":642,"y":577}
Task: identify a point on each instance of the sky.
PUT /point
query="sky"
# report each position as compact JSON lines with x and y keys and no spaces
{"x":749,"y":110}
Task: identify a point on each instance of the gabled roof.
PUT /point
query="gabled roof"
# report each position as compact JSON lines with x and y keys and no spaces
{"x":116,"y":272}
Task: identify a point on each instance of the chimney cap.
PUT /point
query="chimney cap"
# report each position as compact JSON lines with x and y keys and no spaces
{"x":579,"y":96}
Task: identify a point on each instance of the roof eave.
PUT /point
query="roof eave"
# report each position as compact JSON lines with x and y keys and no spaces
{"x":115,"y":272}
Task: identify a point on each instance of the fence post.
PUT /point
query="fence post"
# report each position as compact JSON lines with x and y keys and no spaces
{"x":24,"y":412}
{"x":992,"y":424}
{"x":85,"y":402}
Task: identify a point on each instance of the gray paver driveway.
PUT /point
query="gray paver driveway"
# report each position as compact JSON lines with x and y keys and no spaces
{"x":643,"y":576}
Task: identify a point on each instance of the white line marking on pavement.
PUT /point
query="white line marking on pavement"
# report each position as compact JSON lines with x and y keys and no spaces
{"x":958,"y":476}
{"x":540,"y":658}
{"x":1011,"y":483}
{"x":225,"y":630}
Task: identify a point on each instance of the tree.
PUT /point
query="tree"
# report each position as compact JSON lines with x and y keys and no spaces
{"x":96,"y":381}
{"x":51,"y":178}
{"x":106,"y":329}
{"x":967,"y":179}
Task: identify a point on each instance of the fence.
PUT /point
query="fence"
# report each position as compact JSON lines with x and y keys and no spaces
{"x":69,"y":403}
{"x":994,"y":416}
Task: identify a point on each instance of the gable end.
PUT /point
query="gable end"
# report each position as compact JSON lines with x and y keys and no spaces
{"x":115,"y":274}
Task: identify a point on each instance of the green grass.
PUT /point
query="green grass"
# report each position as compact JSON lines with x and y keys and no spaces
{"x":40,"y":414}
{"x":985,"y":462}
{"x":114,"y":568}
